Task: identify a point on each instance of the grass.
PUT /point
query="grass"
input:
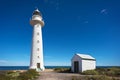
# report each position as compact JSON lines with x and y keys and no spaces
{"x":97,"y":74}
{"x":109,"y":71}
{"x":97,"y":77}
{"x":103,"y":74}
{"x":10,"y":75}
{"x":103,"y":71}
{"x":90,"y":72}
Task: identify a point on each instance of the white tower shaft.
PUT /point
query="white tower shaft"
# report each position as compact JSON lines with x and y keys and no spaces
{"x":37,"y":44}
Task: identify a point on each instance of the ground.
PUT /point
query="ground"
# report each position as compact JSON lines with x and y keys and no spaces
{"x":49,"y":74}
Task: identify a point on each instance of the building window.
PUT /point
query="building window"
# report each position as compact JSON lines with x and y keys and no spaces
{"x":38,"y":57}
{"x":38,"y":41}
{"x":37,"y":49}
{"x":38,"y":33}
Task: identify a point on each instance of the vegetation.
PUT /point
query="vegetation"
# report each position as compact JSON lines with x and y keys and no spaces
{"x":62,"y":70}
{"x":90,"y":72}
{"x":102,"y":74}
{"x":97,"y":74}
{"x":103,"y":71}
{"x":109,"y":71}
{"x":28,"y":75}
{"x":97,"y":77}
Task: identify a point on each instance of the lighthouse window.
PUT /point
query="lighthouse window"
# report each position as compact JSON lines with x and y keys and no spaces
{"x":38,"y":33}
{"x":37,"y":41}
{"x":37,"y":49}
{"x":38,"y":56}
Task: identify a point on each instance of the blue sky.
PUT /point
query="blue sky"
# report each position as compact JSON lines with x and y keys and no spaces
{"x":71,"y":26}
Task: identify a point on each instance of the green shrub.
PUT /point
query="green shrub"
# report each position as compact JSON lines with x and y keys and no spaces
{"x":24,"y":76}
{"x":4,"y":77}
{"x":98,"y":77}
{"x":114,"y":72}
{"x":30,"y":74}
{"x":109,"y":71}
{"x":94,"y":77}
{"x":12,"y":74}
{"x":90,"y":72}
{"x":33,"y":72}
{"x":101,"y":71}
{"x":9,"y":75}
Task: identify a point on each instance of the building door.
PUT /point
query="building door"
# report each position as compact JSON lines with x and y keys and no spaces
{"x":76,"y":66}
{"x":38,"y":65}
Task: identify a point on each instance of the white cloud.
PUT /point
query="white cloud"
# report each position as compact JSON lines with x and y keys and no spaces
{"x":85,"y":22}
{"x":3,"y":61}
{"x":48,"y":56}
{"x":57,"y":64}
{"x":103,"y":11}
{"x":13,"y":63}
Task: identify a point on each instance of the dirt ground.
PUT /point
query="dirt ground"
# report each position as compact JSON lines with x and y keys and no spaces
{"x":49,"y":74}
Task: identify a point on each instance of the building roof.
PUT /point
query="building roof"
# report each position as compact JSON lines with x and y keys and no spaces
{"x":85,"y":56}
{"x":37,"y":12}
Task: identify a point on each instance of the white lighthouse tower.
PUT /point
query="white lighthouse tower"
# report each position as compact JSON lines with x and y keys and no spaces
{"x":36,"y":61}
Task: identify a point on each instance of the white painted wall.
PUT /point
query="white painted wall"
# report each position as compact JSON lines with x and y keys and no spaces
{"x":88,"y":65}
{"x":35,"y":53}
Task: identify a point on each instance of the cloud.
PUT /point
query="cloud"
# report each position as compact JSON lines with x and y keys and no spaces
{"x":103,"y":11}
{"x":13,"y":63}
{"x":3,"y":61}
{"x":48,"y":56}
{"x":85,"y":22}
{"x":57,"y":63}
{"x":54,"y":3}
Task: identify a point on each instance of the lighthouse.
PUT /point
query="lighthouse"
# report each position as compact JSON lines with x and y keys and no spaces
{"x":36,"y":60}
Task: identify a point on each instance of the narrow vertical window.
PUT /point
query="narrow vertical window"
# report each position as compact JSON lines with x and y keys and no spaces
{"x":37,"y":33}
{"x":37,"y":49}
{"x":38,"y":41}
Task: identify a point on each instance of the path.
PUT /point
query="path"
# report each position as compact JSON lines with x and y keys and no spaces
{"x":51,"y":75}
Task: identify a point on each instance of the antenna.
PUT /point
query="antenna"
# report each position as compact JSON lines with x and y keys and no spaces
{"x":36,"y":7}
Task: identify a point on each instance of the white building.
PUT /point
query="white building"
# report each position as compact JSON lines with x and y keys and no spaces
{"x":36,"y":60}
{"x":82,"y":62}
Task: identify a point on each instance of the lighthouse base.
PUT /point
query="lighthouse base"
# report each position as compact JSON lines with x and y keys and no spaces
{"x":37,"y":69}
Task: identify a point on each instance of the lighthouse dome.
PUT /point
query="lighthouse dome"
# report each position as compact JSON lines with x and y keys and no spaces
{"x":37,"y":12}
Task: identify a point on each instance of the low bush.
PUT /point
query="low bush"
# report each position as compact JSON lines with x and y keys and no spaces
{"x":94,"y":77}
{"x":33,"y":72}
{"x":103,"y":74}
{"x":10,"y":75}
{"x":4,"y":77}
{"x":90,"y":72}
{"x":113,"y":72}
{"x":98,"y":77}
{"x":101,"y":71}
{"x":29,"y":75}
{"x":109,"y":71}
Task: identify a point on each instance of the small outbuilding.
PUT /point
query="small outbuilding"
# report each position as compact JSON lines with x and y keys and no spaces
{"x":82,"y":62}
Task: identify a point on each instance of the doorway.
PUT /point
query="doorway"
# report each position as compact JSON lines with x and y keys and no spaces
{"x":38,"y":65}
{"x":76,"y":66}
